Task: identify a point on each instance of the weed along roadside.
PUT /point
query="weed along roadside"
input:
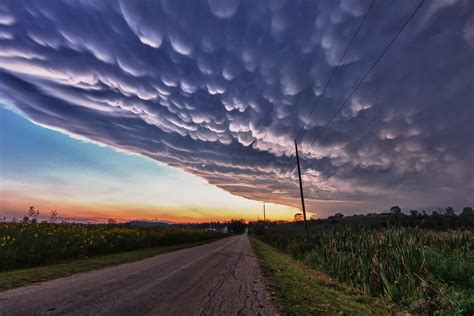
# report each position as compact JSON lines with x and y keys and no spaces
{"x":303,"y":291}
{"x":421,"y":271}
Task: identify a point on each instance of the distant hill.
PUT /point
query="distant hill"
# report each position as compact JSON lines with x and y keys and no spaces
{"x":148,"y":224}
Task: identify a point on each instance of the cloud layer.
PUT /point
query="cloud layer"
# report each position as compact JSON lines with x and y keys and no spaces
{"x":221,"y":89}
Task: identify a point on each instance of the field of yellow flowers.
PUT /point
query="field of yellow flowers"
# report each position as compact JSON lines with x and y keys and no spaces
{"x":32,"y":244}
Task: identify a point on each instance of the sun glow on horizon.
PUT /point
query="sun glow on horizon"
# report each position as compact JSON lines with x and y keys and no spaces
{"x":84,"y":180}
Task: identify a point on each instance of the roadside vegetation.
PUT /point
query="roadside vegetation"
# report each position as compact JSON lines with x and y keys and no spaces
{"x":30,"y":244}
{"x":302,"y":291}
{"x":416,"y":262}
{"x":34,"y":249}
{"x":21,"y":277}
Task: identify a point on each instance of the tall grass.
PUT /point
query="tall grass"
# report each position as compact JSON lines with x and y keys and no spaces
{"x":33,"y":244}
{"x":421,"y":270}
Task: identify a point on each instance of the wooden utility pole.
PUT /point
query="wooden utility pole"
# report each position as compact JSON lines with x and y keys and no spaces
{"x":264,"y":217}
{"x":301,"y":187}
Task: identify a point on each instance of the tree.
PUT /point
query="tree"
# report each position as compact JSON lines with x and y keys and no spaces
{"x":337,"y":215}
{"x":450,"y":211}
{"x":467,"y":211}
{"x":31,"y":215}
{"x":236,"y":226}
{"x":414,"y":213}
{"x":53,"y":217}
{"x":395,"y":210}
{"x":111,"y":221}
{"x":298,"y":217}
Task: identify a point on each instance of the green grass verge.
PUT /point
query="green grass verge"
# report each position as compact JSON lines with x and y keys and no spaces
{"x":302,"y":291}
{"x":21,"y":277}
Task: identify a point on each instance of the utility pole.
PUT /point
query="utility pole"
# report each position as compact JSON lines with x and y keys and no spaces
{"x":264,"y":217}
{"x":301,"y":187}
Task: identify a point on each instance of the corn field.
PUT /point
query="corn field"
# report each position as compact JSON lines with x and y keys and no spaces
{"x":421,"y":270}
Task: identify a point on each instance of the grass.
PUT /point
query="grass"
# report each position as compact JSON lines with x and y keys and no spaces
{"x":423,"y":271}
{"x":21,"y":277}
{"x":302,"y":291}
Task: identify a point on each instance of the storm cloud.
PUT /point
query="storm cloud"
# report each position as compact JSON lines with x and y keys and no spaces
{"x":222,"y":88}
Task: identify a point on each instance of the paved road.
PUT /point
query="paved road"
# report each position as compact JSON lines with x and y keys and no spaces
{"x":219,"y":278}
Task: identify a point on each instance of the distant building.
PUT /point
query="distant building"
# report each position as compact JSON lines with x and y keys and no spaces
{"x":212,"y":228}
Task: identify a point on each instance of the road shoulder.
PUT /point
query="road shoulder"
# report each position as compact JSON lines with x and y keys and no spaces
{"x":303,"y":291}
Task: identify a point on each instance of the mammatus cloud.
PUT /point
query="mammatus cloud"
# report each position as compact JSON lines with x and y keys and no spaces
{"x":221,"y":88}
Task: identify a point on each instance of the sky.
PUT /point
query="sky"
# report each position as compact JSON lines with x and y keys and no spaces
{"x":90,"y":182}
{"x":188,"y":110}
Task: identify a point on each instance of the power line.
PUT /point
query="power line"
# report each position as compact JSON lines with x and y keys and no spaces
{"x":354,"y":35}
{"x":362,"y":79}
{"x":367,"y":73}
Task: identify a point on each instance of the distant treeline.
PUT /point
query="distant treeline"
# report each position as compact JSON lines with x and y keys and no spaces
{"x":236,"y":226}
{"x":440,"y":219}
